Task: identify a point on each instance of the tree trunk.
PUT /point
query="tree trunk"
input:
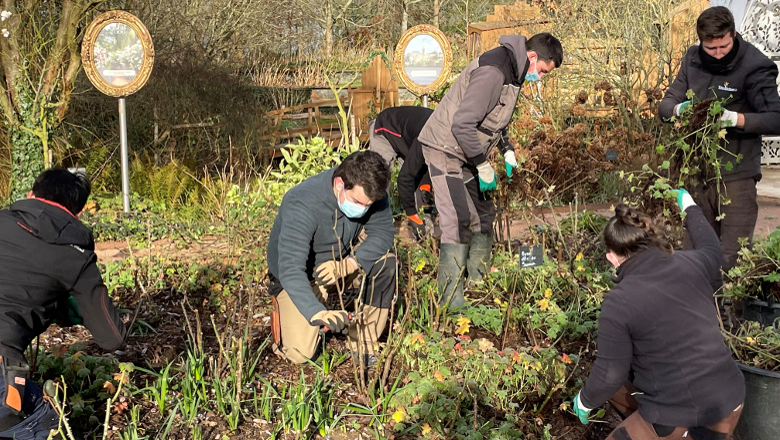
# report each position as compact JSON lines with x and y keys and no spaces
{"x":27,"y":160}
{"x":405,"y":17}
{"x":436,"y":9}
{"x":329,"y":30}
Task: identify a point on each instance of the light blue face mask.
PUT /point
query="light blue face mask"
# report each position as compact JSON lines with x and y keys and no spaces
{"x":533,"y":76}
{"x":352,"y":210}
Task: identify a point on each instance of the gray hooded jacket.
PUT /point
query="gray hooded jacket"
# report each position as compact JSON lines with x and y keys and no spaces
{"x":470,"y":119}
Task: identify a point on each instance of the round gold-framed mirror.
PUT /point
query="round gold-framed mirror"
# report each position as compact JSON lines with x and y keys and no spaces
{"x":117,"y":53}
{"x":423,"y":59}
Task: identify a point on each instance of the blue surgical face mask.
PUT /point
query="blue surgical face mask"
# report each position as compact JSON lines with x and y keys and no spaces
{"x":533,"y":76}
{"x":352,"y":210}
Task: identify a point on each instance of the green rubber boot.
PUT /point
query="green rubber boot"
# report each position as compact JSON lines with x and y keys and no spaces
{"x":478,"y":262}
{"x":452,"y":265}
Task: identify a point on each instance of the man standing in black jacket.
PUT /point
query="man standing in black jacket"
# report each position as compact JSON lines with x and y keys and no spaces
{"x":331,"y":245}
{"x":724,"y":66}
{"x":48,"y":273}
{"x":393,"y":134}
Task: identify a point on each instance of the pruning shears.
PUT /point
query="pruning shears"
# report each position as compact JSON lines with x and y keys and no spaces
{"x":351,"y":317}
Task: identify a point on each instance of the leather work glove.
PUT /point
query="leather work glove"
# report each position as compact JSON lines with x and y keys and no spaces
{"x":580,"y":410}
{"x":418,"y":226}
{"x":336,"y":321}
{"x":486,"y":176}
{"x":68,"y":314}
{"x":681,"y":107}
{"x":730,"y":118}
{"x":510,"y":161}
{"x":329,"y":272}
{"x":684,"y":199}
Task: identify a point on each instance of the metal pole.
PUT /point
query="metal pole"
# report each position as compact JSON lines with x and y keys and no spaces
{"x":123,"y":145}
{"x":425,"y":100}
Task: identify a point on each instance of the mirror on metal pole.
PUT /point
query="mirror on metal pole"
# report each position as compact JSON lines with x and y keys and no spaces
{"x":118,"y":55}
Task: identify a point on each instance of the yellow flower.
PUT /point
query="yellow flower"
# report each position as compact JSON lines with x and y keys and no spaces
{"x":463,"y":325}
{"x":400,"y":415}
{"x":544,"y":304}
{"x":548,"y":293}
{"x":751,"y":341}
{"x":420,"y":266}
{"x":417,"y":338}
{"x":578,"y":257}
{"x":426,"y":429}
{"x":580,"y":268}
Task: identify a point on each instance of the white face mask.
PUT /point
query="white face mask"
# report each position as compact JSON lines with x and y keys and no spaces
{"x":615,"y":259}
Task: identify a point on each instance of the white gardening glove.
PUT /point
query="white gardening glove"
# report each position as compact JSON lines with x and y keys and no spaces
{"x":487,"y":177}
{"x":730,"y":118}
{"x":679,"y":108}
{"x":510,"y":161}
{"x":684,"y":199}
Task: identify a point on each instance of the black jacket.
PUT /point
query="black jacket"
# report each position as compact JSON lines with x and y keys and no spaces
{"x":310,"y":229}
{"x":751,"y":89}
{"x":660,"y":322}
{"x":401,"y":126}
{"x":46,"y":255}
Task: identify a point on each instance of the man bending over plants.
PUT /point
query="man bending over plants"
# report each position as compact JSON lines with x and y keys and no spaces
{"x":330,"y":252}
{"x":726,"y":67}
{"x":393,"y":134}
{"x":457,"y":141}
{"x":48,"y":273}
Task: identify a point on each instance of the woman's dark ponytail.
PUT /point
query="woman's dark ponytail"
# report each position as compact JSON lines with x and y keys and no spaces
{"x":631,"y":231}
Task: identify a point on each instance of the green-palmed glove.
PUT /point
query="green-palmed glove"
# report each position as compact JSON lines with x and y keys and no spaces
{"x":511,"y":163}
{"x":580,"y":410}
{"x":684,"y":199}
{"x":486,"y":176}
{"x":68,"y":313}
{"x":680,"y":108}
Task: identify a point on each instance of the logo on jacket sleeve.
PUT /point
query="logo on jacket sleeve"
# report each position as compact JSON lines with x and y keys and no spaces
{"x":725,"y":87}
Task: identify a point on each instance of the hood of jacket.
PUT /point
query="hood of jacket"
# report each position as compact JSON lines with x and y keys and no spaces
{"x":516,"y":45}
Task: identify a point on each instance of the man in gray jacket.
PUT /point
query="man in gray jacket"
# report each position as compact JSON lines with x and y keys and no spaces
{"x":457,"y":139}
{"x":724,"y":66}
{"x":331,"y":246}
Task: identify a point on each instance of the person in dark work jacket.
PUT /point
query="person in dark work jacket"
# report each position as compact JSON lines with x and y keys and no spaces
{"x":457,"y":140}
{"x":659,"y":329}
{"x":48,"y":273}
{"x":393,"y":134}
{"x":333,"y":235}
{"x":724,"y":66}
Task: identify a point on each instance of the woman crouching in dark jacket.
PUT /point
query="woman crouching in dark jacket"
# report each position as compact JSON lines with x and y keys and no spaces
{"x":661,"y":359}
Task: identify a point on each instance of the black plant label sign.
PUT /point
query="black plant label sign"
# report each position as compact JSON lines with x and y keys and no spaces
{"x":531,"y":256}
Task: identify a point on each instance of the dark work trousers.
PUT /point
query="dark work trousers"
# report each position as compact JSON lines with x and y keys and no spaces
{"x":40,"y":416}
{"x":463,"y":209}
{"x":739,"y":219}
{"x":634,"y":427}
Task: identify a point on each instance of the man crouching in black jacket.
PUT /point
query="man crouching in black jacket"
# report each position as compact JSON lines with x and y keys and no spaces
{"x":48,"y":273}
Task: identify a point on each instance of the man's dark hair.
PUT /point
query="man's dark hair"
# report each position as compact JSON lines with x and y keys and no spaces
{"x":547,"y":47}
{"x":367,"y":169}
{"x":715,"y":22}
{"x":58,"y":185}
